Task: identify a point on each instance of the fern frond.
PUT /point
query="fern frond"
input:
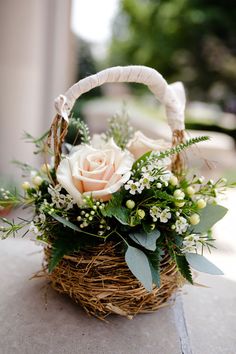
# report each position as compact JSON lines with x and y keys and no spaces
{"x":80,"y":131}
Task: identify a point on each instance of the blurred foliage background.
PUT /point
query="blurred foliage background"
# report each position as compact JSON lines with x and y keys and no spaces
{"x":192,"y":41}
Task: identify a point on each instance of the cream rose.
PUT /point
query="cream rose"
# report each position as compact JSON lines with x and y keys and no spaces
{"x":140,"y":144}
{"x":99,"y":173}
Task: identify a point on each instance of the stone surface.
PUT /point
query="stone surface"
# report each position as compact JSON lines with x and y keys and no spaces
{"x":26,"y":327}
{"x":210,"y":313}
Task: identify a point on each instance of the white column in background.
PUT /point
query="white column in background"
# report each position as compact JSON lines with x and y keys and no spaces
{"x":35,"y":66}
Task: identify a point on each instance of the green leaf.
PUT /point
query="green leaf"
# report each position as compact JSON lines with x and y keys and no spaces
{"x":56,"y":256}
{"x":65,"y":222}
{"x":183,"y":267}
{"x":155,"y":275}
{"x":115,"y":209}
{"x":146,"y":240}
{"x":140,"y":159}
{"x":210,"y":215}
{"x":122,"y":215}
{"x":138,"y":264}
{"x":60,"y":247}
{"x":202,"y":264}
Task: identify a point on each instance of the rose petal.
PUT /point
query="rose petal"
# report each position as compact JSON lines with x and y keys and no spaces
{"x":140,"y":144}
{"x":64,"y":177}
{"x":90,"y":184}
{"x":107,"y":192}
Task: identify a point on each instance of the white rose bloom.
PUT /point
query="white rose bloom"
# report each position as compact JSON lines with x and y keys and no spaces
{"x":140,"y":144}
{"x":90,"y":171}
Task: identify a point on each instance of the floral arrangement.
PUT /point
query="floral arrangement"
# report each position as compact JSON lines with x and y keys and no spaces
{"x":118,"y":187}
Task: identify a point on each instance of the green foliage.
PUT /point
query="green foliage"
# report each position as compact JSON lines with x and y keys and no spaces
{"x":70,"y":225}
{"x":146,"y":240}
{"x":193,"y":41}
{"x":114,"y":208}
{"x":201,"y":264}
{"x":39,"y":143}
{"x":155,"y":156}
{"x":154,"y":259}
{"x":60,"y":247}
{"x":183,"y":267}
{"x":10,"y":228}
{"x":78,"y":132}
{"x":156,"y":279}
{"x":65,"y":222}
{"x":120,"y":130}
{"x":138,"y":264}
{"x":209,"y":216}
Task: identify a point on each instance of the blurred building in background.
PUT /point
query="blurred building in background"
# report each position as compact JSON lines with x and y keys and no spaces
{"x":35,"y":66}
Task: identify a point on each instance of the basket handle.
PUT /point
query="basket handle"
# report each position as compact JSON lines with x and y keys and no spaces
{"x":172,"y":96}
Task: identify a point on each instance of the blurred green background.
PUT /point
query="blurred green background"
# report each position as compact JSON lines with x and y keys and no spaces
{"x":191,"y":41}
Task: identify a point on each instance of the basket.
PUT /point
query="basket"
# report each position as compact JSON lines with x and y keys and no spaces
{"x":100,"y":281}
{"x":98,"y":278}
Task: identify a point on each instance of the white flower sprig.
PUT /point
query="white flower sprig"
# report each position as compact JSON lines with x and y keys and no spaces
{"x":59,"y":200}
{"x":193,"y":242}
{"x":181,"y":225}
{"x":163,"y":215}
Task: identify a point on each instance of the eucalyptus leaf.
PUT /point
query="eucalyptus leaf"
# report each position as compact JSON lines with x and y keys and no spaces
{"x":122,"y":216}
{"x":209,"y":216}
{"x":138,"y":264}
{"x":202,"y":264}
{"x":65,"y":222}
{"x":146,"y":240}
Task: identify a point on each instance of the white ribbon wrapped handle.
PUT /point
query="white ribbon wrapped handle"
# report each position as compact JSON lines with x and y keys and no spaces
{"x":172,"y":96}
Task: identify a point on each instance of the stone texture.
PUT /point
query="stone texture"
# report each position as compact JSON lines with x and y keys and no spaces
{"x":26,"y":327}
{"x":211,"y":312}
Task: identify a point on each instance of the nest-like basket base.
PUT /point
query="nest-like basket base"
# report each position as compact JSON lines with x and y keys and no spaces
{"x":100,"y":281}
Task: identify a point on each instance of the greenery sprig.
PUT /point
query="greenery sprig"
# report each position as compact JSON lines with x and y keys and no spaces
{"x":120,"y":129}
{"x":79,"y":129}
{"x":152,"y":156}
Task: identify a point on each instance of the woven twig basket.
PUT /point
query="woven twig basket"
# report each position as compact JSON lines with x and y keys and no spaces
{"x":99,"y":278}
{"x":100,"y":281}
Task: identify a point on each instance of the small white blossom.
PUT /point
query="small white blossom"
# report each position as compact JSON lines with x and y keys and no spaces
{"x":146,"y":180}
{"x":148,"y":176}
{"x":133,"y":187}
{"x":33,"y":228}
{"x":191,"y":243}
{"x":181,"y":225}
{"x":40,"y":218}
{"x":163,"y":163}
{"x":61,"y":201}
{"x":155,"y":213}
{"x":166,"y":176}
{"x":165,"y":215}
